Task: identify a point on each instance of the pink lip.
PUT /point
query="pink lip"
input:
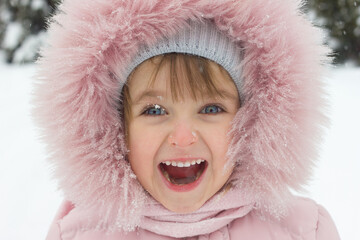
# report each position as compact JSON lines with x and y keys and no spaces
{"x":186,"y":187}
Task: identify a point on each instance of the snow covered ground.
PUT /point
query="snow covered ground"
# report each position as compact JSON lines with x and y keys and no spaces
{"x":29,"y":199}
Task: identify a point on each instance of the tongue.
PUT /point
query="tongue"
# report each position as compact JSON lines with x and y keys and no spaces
{"x":182,"y":172}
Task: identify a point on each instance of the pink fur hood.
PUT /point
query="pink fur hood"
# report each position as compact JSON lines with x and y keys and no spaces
{"x":275,"y":133}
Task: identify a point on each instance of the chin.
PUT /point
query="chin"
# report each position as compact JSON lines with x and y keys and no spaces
{"x":185,"y":207}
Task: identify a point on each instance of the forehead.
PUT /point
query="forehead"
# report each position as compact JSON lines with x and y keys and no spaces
{"x":141,"y":77}
{"x":151,"y":81}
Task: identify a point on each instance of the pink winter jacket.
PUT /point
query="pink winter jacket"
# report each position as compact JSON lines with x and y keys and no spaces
{"x":275,"y":134}
{"x":306,"y":221}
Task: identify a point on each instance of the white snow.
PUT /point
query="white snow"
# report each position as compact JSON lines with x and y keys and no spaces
{"x":5,"y":14}
{"x":29,"y":198}
{"x":13,"y":35}
{"x":2,"y":57}
{"x":29,"y":47}
{"x":38,"y":4}
{"x":357,"y":31}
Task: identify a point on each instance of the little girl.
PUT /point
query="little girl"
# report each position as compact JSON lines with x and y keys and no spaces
{"x":189,"y":119}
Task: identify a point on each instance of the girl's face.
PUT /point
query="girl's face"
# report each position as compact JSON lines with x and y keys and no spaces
{"x":177,"y":149}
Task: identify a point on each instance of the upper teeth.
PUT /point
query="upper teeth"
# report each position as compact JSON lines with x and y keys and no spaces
{"x":183,"y":164}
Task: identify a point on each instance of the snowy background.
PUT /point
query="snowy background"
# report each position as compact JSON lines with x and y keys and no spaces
{"x":29,"y":199}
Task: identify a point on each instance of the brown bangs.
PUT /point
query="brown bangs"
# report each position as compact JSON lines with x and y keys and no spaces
{"x":188,"y":74}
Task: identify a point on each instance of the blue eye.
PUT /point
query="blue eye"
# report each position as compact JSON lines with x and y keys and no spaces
{"x":211,"y":109}
{"x":155,"y":110}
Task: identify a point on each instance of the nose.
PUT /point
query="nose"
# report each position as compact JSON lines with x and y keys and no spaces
{"x":182,"y":136}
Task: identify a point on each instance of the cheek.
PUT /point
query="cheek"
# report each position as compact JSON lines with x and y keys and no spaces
{"x":218,"y":140}
{"x":218,"y":143}
{"x":143,"y":144}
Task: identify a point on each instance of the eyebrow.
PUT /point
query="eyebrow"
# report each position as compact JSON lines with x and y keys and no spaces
{"x":155,"y":94}
{"x":149,"y":94}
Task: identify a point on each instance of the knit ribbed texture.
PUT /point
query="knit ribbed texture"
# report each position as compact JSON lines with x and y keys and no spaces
{"x":201,"y":39}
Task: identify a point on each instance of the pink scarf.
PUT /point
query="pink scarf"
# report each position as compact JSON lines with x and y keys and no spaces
{"x":210,"y":220}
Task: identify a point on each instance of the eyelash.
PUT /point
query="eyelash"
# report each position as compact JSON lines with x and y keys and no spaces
{"x":146,"y":110}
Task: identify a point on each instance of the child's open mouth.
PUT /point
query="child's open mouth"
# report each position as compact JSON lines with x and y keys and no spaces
{"x":183,"y":173}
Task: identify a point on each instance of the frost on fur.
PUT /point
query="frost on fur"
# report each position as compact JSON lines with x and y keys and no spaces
{"x":274,"y":134}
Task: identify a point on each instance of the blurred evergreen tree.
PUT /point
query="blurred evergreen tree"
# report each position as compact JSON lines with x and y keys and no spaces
{"x":22,"y":28}
{"x":23,"y":23}
{"x":342,"y":20}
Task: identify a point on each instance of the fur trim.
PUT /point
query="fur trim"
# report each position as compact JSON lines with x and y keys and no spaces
{"x":274,"y":135}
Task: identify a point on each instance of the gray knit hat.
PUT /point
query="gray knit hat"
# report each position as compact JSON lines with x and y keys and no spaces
{"x":201,"y":39}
